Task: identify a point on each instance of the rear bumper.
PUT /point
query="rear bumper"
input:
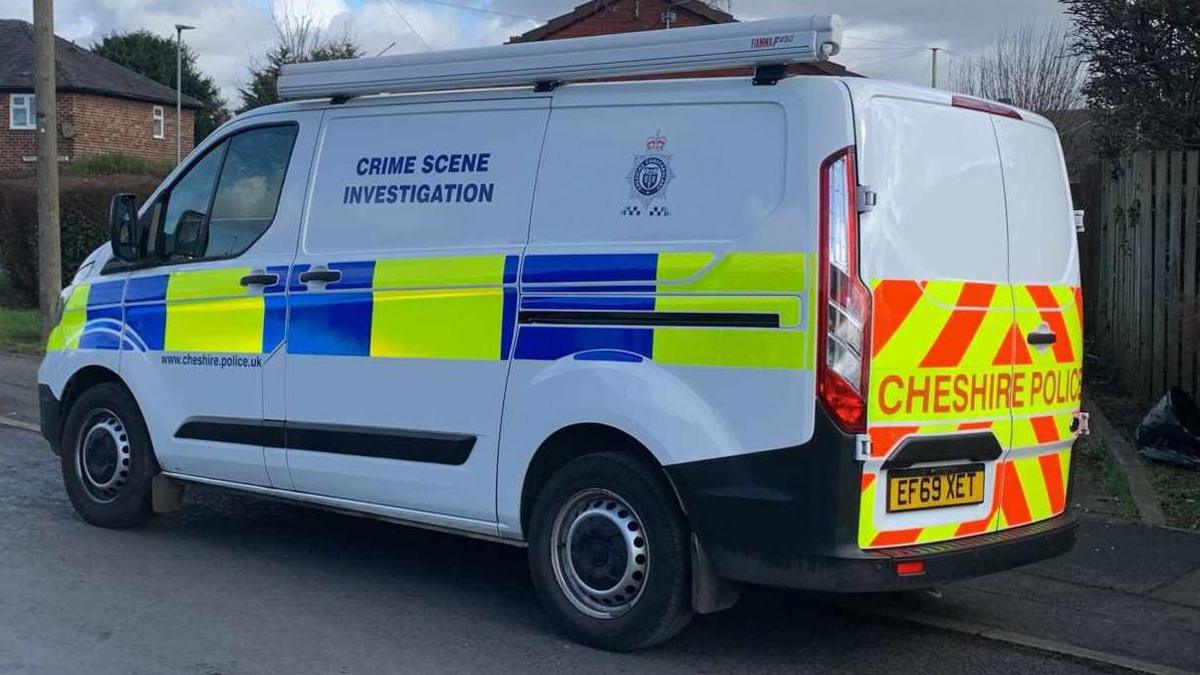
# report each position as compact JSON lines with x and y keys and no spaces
{"x":789,"y":518}
{"x":50,"y":410}
{"x":875,"y":571}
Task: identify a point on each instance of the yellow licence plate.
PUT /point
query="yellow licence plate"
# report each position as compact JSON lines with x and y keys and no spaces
{"x":931,"y":488}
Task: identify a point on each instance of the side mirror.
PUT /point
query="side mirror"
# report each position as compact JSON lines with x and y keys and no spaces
{"x":191,"y":237}
{"x":122,"y":226}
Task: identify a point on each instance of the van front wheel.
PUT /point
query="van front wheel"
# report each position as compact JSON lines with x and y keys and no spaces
{"x":609,"y":552}
{"x":107,"y":462}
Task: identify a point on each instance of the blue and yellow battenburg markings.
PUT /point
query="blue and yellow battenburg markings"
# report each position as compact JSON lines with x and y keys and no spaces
{"x":204,"y":311}
{"x":769,"y":283}
{"x":197,"y":311}
{"x":436,"y":308}
{"x":463,"y":308}
{"x":91,"y":318}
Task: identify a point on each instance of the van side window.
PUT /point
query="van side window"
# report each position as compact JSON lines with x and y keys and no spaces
{"x":228,"y":198}
{"x":248,"y":192}
{"x":182,"y":236}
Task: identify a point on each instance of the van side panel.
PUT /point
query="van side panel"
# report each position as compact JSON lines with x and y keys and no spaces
{"x":396,"y":370}
{"x":672,"y":244}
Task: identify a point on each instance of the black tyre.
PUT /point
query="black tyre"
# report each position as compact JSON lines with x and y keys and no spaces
{"x":107,"y":459}
{"x":609,"y":552}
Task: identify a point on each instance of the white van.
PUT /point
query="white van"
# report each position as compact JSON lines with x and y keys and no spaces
{"x":672,"y":336}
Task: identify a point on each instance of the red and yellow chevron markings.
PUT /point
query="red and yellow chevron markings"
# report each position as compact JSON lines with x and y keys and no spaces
{"x":952,"y":357}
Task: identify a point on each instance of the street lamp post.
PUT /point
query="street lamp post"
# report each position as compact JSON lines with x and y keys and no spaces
{"x":179,"y":28}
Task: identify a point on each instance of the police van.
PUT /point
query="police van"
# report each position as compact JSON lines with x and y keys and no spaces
{"x":672,"y":336}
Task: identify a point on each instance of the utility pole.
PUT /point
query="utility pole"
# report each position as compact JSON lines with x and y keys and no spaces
{"x":45,"y":91}
{"x":179,"y":28}
{"x":933,"y":51}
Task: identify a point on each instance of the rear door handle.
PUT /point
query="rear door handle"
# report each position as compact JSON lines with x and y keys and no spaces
{"x":327,"y":276}
{"x":260,"y":279}
{"x":1038,"y":337}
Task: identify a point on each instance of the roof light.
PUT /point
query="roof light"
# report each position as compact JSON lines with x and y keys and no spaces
{"x":971,"y":103}
{"x":730,"y":45}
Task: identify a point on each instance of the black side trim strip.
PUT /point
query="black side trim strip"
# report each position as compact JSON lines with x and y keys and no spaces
{"x":414,"y":446}
{"x":979,"y":446}
{"x":228,"y":430}
{"x":634,"y":318}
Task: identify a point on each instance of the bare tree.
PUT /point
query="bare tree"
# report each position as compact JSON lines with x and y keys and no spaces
{"x":300,"y":33}
{"x":1038,"y":69}
{"x":300,"y":37}
{"x":1145,"y":84}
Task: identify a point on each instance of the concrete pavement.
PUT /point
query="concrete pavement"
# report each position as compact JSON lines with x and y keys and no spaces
{"x":1126,"y":590}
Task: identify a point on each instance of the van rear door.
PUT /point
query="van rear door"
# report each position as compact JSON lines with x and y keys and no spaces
{"x":1048,"y":346}
{"x":935,"y":253}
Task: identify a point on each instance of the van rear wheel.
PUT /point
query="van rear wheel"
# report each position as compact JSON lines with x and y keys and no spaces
{"x":609,"y":552}
{"x":107,"y":461}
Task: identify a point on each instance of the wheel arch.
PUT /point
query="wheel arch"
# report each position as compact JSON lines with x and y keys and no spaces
{"x":86,"y":378}
{"x":80,"y":381}
{"x":575,"y":441}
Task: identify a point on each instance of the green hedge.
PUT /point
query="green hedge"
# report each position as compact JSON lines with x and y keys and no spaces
{"x":83,"y":203}
{"x":109,"y":165}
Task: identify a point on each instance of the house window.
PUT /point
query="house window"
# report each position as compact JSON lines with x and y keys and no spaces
{"x":21,"y":112}
{"x":159,"y":131}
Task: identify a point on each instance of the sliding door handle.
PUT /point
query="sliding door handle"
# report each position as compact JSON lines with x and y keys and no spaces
{"x":327,"y":276}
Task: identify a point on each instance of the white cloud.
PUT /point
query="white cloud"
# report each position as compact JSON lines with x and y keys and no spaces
{"x":884,"y":38}
{"x":228,"y":32}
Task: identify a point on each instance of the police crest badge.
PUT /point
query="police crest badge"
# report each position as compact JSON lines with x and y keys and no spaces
{"x":649,"y":178}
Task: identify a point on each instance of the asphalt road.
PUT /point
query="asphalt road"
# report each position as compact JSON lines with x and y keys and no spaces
{"x":238,"y":585}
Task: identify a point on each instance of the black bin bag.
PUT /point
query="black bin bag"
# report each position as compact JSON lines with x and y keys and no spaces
{"x":1170,"y":432}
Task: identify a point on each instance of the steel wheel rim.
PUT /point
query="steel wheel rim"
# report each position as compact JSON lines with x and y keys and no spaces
{"x":102,"y":456}
{"x":600,"y":553}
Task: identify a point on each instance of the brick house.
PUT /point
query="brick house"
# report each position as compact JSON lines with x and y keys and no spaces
{"x":602,"y":17}
{"x":103,"y":108}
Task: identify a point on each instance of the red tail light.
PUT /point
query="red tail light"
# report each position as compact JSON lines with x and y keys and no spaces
{"x":845,"y":307}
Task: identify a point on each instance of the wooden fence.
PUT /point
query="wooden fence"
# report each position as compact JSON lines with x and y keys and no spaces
{"x":1139,"y":264}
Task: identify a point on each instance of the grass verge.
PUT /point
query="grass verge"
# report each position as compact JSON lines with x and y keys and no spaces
{"x":1098,"y":486}
{"x":1179,"y":492}
{"x":1117,"y":484}
{"x":20,"y":331}
{"x":1177,"y":488}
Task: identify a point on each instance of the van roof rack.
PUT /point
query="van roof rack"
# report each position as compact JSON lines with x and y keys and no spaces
{"x":766,"y":45}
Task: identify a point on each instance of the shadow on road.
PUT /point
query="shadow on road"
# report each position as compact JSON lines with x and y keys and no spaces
{"x":398,"y":566}
{"x":238,"y":584}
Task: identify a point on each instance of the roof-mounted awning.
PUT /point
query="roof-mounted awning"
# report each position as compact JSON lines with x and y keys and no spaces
{"x":774,"y":42}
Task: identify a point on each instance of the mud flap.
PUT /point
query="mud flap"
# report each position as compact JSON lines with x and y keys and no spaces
{"x":166,"y":495}
{"x":710,"y":593}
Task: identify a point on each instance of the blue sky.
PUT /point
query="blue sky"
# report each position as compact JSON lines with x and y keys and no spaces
{"x":884,"y":38}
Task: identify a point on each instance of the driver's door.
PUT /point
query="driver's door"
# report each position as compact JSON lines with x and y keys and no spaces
{"x":204,"y":320}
